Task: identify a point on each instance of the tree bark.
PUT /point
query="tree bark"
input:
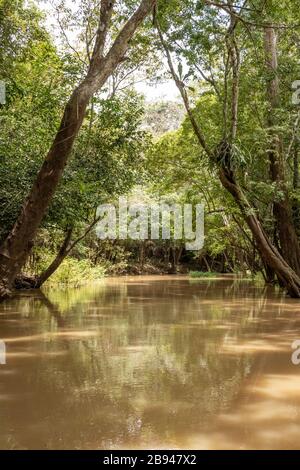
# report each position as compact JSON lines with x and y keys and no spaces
{"x":269,"y":254}
{"x":25,"y":282}
{"x":16,"y":247}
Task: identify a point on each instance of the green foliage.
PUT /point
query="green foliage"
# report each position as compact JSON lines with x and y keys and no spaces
{"x":199,"y":274}
{"x":115,"y":153}
{"x":72,"y":271}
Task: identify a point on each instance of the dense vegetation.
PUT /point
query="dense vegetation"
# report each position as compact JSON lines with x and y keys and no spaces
{"x":75,"y":133}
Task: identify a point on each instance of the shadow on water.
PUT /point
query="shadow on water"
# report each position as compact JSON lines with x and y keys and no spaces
{"x":147,"y":362}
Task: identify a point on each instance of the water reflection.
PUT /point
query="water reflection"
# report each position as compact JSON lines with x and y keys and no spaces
{"x":149,"y":362}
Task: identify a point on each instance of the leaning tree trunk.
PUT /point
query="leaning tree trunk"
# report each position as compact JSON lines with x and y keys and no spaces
{"x":282,"y":208}
{"x":64,"y":251}
{"x":268,"y":252}
{"x":16,"y":247}
{"x":26,"y":282}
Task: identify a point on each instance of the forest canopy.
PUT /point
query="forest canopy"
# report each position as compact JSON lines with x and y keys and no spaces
{"x":76,"y":132}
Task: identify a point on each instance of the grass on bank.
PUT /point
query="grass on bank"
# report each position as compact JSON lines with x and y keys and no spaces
{"x":201,"y":274}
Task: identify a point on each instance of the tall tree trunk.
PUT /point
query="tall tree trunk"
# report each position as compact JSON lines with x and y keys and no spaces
{"x":64,"y":251}
{"x":16,"y":247}
{"x":269,"y":254}
{"x":282,"y":208}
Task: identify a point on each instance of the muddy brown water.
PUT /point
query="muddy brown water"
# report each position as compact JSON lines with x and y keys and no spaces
{"x":151,"y":362}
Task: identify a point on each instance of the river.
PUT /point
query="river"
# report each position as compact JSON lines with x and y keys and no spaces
{"x":150,"y":362}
